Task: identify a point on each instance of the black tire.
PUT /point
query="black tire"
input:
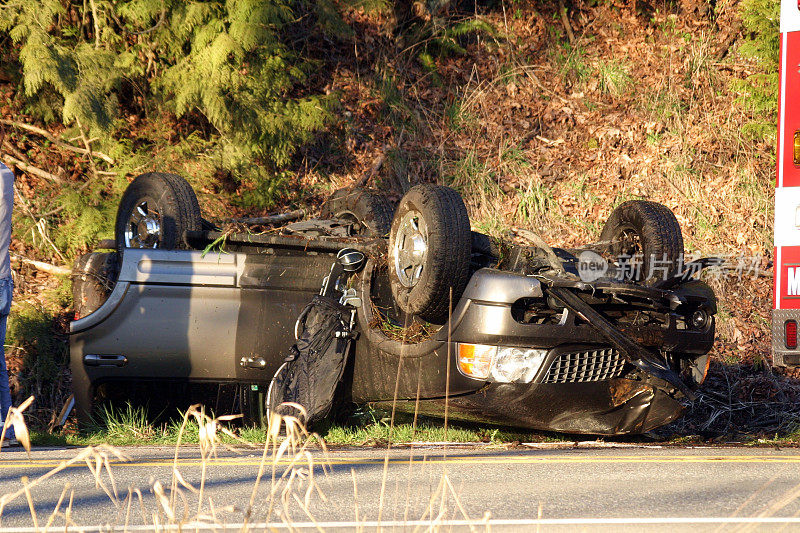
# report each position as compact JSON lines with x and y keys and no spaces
{"x":166,"y":199}
{"x":443,"y":224}
{"x":646,"y":228}
{"x":369,"y":210}
{"x":695,"y":288}
{"x":93,"y":279}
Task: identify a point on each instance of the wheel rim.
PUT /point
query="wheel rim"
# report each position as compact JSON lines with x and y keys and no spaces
{"x":629,"y":248}
{"x":629,"y":241}
{"x":143,"y":228}
{"x":356,"y":227}
{"x":410,"y":248}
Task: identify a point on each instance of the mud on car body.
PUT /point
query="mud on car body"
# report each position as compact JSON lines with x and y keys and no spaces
{"x":511,"y":334}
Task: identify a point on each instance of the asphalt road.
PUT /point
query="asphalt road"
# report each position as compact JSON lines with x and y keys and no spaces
{"x":408,"y":489}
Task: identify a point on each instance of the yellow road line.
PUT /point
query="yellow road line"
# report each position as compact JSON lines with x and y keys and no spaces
{"x":528,"y":459}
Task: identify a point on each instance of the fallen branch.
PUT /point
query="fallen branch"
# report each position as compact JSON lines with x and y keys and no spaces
{"x":40,"y":265}
{"x":50,"y":137}
{"x":30,"y":169}
{"x":375,"y":168}
{"x":378,"y":163}
{"x":565,"y":22}
{"x":273,"y":219}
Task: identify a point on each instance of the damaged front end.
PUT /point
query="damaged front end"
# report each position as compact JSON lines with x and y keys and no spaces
{"x":561,"y":354}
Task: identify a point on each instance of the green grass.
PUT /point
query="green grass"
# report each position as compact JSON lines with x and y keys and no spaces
{"x":455,"y":116}
{"x":33,"y":335}
{"x":664,"y":105}
{"x":491,"y":223}
{"x":613,"y":77}
{"x":129,"y":426}
{"x":381,"y":433}
{"x":535,"y":202}
{"x":571,"y":62}
{"x":475,"y":180}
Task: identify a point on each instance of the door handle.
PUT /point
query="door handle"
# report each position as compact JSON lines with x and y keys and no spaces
{"x":253,"y":362}
{"x":104,"y":360}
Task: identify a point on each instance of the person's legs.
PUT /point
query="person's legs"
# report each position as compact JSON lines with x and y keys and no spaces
{"x":6,"y":289}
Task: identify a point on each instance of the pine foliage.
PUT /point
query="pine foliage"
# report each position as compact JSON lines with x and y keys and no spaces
{"x":759,"y":91}
{"x":225,"y":60}
{"x":233,"y":64}
{"x":83,"y":74}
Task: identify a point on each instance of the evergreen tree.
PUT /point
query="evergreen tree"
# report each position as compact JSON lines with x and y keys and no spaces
{"x":226,"y":60}
{"x":759,"y":91}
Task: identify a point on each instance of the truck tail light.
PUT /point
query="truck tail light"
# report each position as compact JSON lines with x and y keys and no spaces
{"x":790,"y":334}
{"x":797,"y":145}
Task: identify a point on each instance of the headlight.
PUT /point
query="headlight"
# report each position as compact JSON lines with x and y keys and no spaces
{"x":503,"y":364}
{"x":699,"y":319}
{"x":517,"y":365}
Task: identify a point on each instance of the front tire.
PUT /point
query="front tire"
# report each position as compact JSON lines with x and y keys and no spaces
{"x":92,"y":282}
{"x":429,"y":252}
{"x":649,"y":229}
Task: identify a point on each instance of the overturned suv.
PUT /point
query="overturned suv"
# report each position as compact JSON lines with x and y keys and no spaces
{"x":605,"y":339}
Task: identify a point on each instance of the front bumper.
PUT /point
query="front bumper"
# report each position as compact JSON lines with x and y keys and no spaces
{"x":613,"y":407}
{"x":484,"y":316}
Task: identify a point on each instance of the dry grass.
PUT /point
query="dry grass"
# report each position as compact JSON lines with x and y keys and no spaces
{"x":417,"y":331}
{"x":742,"y":403}
{"x":285,"y":484}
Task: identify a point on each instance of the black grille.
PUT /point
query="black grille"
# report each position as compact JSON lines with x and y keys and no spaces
{"x":580,"y":367}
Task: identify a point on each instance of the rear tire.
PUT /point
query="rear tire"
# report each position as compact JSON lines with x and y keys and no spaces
{"x":155,"y":211}
{"x":646,"y":228}
{"x":370,"y":211}
{"x":430,"y":247}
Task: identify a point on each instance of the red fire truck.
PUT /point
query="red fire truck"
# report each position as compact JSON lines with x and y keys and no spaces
{"x":786,"y":315}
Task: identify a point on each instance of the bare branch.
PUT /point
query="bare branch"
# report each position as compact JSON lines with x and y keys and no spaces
{"x":565,"y":22}
{"x":30,"y":169}
{"x":50,"y":137}
{"x":378,"y":163}
{"x":41,"y":265}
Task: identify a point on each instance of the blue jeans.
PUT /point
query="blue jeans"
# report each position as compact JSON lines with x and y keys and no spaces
{"x":6,"y":288}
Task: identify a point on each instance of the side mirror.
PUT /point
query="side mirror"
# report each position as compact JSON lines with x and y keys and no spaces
{"x":350,"y":260}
